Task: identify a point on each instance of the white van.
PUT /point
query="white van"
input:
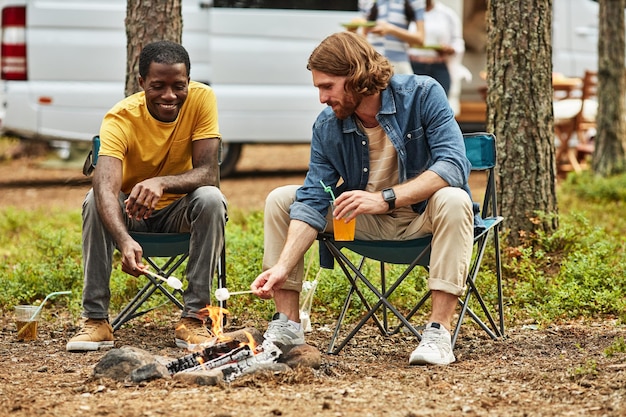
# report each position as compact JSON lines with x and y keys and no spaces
{"x":575,"y":30}
{"x":258,"y":54}
{"x":64,"y":64}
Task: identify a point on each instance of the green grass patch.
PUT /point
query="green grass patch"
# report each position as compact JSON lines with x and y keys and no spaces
{"x":577,"y":272}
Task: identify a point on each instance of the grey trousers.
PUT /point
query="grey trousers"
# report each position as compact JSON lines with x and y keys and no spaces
{"x":202,"y":213}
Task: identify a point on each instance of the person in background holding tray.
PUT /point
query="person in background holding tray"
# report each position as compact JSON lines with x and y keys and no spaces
{"x":390,"y":34}
{"x":443,"y":43}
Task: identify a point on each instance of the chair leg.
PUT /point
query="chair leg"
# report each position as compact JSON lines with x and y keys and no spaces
{"x":564,"y":133}
{"x":128,"y":312}
{"x":496,"y":330}
{"x":573,"y":159}
{"x":221,"y":275}
{"x":496,"y":242}
{"x":131,"y":310}
{"x":383,"y":289}
{"x":353,"y":289}
{"x":346,"y":266}
{"x":494,"y":334}
{"x":342,"y":314}
{"x":167,"y":270}
{"x":414,"y":310}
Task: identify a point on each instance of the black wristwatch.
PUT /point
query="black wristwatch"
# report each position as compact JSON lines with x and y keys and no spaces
{"x":390,"y":197}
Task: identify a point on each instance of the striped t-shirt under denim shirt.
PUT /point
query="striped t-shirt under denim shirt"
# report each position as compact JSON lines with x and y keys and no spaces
{"x":392,"y":11}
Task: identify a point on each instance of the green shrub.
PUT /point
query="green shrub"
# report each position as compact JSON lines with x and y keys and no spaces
{"x":41,"y":254}
{"x":591,"y":187}
{"x":579,"y":271}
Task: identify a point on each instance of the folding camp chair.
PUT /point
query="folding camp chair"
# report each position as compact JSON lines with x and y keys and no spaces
{"x":481,"y":151}
{"x":172,"y":247}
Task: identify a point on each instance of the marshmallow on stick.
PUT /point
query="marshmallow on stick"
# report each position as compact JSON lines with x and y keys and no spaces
{"x":222,"y":294}
{"x":171,"y":281}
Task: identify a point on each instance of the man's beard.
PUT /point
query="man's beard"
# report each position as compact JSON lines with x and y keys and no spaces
{"x":348,"y":107}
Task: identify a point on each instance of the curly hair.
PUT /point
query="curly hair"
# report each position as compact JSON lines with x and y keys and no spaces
{"x":347,"y":54}
{"x":162,"y":52}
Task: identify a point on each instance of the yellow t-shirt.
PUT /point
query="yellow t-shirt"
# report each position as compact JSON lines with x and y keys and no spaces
{"x":149,"y":148}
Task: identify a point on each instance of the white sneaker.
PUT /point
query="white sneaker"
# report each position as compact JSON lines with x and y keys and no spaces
{"x":435,"y":347}
{"x":280,"y":331}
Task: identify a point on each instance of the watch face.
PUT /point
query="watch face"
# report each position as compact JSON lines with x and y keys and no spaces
{"x":390,"y":197}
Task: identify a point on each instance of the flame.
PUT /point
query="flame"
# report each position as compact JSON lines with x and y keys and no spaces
{"x":216,"y":314}
{"x":251,"y":343}
{"x":200,"y":360}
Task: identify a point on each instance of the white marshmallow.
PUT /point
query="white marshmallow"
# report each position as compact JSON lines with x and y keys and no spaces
{"x":222,"y":294}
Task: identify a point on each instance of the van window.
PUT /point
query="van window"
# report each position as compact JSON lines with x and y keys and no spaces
{"x":344,"y":5}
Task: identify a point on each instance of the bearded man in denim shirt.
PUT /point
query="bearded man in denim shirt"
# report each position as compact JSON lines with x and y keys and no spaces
{"x":390,"y":147}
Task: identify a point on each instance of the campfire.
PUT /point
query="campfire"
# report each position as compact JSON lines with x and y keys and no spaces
{"x":225,"y":358}
{"x":231,"y":361}
{"x":233,"y":358}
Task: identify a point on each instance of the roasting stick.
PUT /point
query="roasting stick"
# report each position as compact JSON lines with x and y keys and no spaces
{"x":171,"y":281}
{"x":222,"y":294}
{"x":240,"y":292}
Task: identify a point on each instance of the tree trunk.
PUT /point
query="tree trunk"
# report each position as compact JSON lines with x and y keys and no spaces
{"x":148,"y":21}
{"x":519,"y":104}
{"x":609,"y":156}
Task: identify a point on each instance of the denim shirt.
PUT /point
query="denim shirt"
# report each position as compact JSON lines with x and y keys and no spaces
{"x":416,"y":116}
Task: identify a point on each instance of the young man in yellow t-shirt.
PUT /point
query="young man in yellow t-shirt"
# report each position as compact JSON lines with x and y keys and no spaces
{"x":157,"y":171}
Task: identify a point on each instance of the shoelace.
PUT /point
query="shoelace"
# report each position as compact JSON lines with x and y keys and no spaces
{"x":280,"y":325}
{"x":88,"y":328}
{"x":431,"y":338}
{"x":279,"y":330}
{"x":196,"y":328}
{"x":200,"y":331}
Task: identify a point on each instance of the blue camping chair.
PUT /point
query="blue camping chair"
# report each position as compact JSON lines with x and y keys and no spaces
{"x":165,"y":252}
{"x":481,"y":151}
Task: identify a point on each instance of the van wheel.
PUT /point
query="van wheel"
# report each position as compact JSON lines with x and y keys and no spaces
{"x":230,"y":156}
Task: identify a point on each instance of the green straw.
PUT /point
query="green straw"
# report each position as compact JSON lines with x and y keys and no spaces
{"x":328,"y":190}
{"x":52,"y":294}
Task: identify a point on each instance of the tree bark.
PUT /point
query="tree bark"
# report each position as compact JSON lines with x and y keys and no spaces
{"x":519,"y":107}
{"x":609,"y":156}
{"x":148,"y":21}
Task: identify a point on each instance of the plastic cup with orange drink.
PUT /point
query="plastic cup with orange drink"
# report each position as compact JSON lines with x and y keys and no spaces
{"x":342,"y":230}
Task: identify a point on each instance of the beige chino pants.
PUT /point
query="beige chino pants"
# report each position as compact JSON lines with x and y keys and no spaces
{"x":448,"y":217}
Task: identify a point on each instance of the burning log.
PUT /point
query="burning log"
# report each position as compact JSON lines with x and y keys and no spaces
{"x":206,"y":355}
{"x":231,"y":363}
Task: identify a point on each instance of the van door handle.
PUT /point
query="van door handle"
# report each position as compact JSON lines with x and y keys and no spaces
{"x":207,"y":4}
{"x":586,"y":31}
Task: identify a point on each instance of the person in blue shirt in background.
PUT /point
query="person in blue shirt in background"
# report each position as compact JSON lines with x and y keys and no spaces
{"x":390,"y":35}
